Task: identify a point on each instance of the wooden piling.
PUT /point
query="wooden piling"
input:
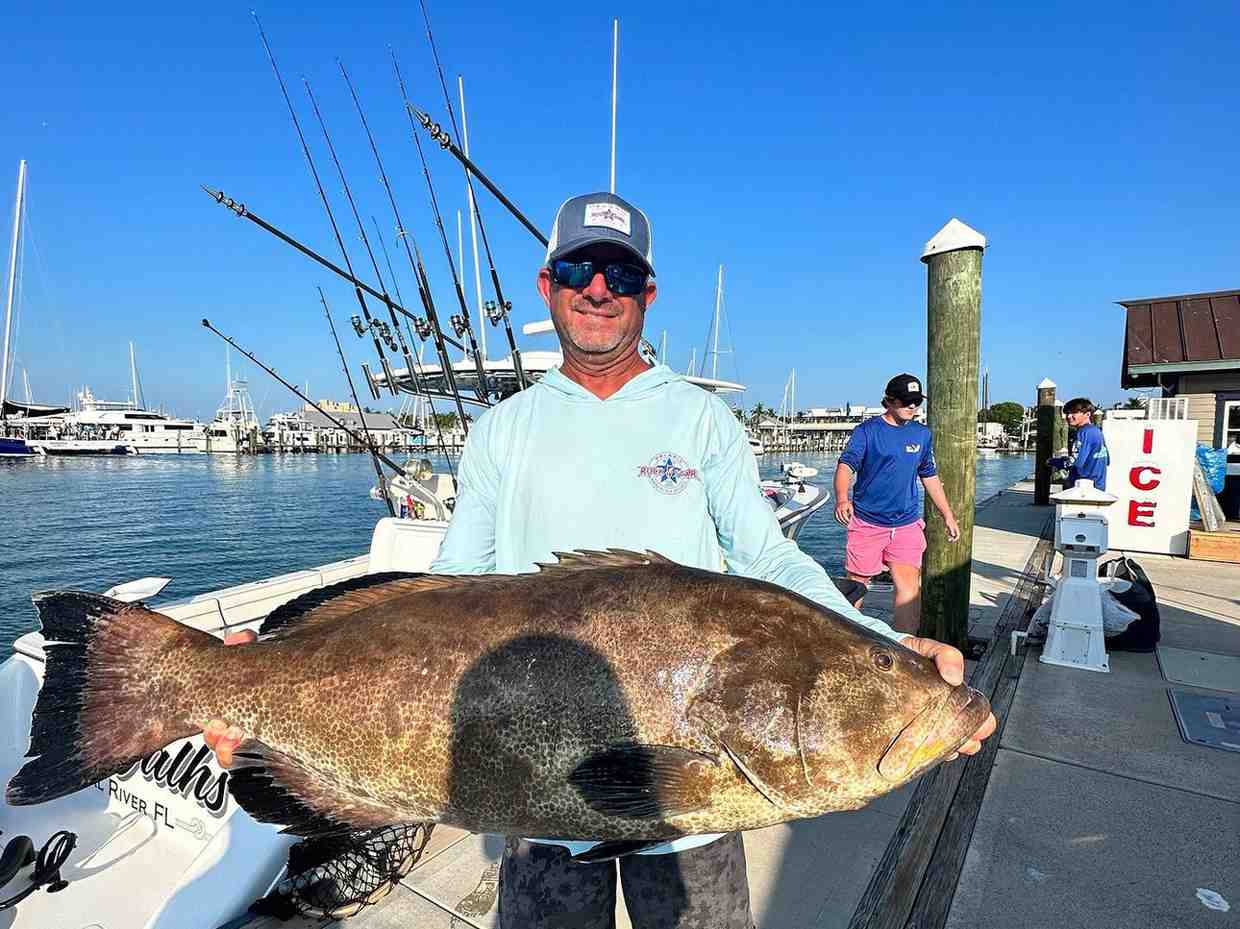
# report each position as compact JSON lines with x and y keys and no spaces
{"x":953,"y":339}
{"x":1045,"y":444}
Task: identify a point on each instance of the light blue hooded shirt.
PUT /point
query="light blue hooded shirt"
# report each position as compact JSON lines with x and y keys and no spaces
{"x":661,"y":465}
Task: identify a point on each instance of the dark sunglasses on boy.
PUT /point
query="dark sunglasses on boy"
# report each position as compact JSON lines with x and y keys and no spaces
{"x":623,"y":279}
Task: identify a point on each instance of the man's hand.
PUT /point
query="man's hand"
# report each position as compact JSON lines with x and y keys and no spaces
{"x":950,"y":663}
{"x":218,"y":735}
{"x":953,"y":529}
{"x":843,"y":512}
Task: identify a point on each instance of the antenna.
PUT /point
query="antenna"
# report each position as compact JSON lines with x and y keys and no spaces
{"x":473,"y":217}
{"x":615,"y":65}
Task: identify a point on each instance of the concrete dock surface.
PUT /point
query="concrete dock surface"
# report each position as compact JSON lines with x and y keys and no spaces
{"x":1097,"y":813}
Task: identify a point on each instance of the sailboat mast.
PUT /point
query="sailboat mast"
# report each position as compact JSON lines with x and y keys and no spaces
{"x":615,"y":67}
{"x":714,"y":368}
{"x":8,"y":308}
{"x":133,"y":377}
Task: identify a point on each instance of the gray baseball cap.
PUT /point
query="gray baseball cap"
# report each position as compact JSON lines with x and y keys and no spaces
{"x":601,"y":217}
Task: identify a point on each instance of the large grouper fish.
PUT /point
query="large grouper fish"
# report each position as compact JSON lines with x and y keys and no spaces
{"x":613,"y":696}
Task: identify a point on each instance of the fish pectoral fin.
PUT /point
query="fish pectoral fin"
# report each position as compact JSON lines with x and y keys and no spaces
{"x":274,"y":787}
{"x":609,"y":851}
{"x":644,"y":781}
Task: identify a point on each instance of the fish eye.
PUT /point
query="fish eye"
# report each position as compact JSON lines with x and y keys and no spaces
{"x":882,"y":659}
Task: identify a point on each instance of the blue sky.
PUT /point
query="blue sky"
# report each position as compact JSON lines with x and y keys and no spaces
{"x":812,"y":150}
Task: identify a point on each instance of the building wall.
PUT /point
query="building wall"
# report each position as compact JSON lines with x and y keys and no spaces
{"x":1209,"y":382}
{"x":1206,"y":392}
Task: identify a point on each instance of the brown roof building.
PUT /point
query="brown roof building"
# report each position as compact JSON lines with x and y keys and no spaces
{"x":1189,"y":345}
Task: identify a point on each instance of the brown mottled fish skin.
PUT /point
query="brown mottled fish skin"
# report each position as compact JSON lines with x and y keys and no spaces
{"x":473,"y":700}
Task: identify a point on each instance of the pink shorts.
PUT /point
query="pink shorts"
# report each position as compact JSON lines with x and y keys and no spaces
{"x":870,"y":547}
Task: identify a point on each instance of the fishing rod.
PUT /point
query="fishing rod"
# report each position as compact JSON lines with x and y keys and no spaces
{"x":445,"y":141}
{"x":331,"y":419}
{"x":421,"y":391}
{"x":361,"y":228}
{"x":430,"y":327}
{"x":381,"y":327}
{"x":461,"y":324}
{"x":499,"y":308}
{"x":391,"y":271}
{"x":245,"y":213}
{"x":370,"y":443}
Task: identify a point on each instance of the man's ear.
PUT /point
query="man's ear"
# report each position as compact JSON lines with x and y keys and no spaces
{"x":544,"y":285}
{"x":652,"y":291}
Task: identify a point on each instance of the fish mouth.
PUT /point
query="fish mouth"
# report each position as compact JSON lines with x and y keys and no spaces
{"x":938,"y":730}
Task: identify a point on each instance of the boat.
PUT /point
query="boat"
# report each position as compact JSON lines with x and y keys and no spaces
{"x":235,"y":428}
{"x":755,"y":443}
{"x":167,"y":831}
{"x":16,"y":447}
{"x":82,"y":447}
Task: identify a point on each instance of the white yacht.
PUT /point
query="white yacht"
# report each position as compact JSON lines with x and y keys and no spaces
{"x":126,"y":423}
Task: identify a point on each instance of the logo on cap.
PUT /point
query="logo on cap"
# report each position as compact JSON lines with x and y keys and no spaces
{"x":914,"y":387}
{"x":609,"y":215}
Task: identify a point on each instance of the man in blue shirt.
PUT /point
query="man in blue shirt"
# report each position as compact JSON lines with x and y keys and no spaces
{"x":1088,"y":457}
{"x":889,"y":454}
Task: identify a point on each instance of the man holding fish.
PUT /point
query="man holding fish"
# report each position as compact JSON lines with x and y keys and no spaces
{"x":610,"y":452}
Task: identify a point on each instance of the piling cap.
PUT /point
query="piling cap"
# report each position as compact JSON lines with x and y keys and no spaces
{"x":1084,"y":493}
{"x":953,"y":237}
{"x":1046,"y":384}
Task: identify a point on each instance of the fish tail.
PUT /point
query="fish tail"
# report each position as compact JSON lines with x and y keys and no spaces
{"x":106,"y":702}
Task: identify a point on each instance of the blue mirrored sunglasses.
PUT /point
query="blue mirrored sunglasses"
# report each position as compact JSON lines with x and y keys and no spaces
{"x":623,"y":279}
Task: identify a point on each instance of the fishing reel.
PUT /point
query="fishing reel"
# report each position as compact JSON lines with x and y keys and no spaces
{"x":358,"y":326}
{"x":422,"y":328}
{"x":458,"y":325}
{"x":495,"y":312}
{"x":385,"y":333}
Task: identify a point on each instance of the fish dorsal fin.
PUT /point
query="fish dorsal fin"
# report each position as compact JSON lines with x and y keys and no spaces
{"x":586,"y":560}
{"x":327,"y":604}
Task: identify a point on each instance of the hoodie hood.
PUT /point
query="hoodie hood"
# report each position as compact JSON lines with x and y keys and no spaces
{"x":646,"y":384}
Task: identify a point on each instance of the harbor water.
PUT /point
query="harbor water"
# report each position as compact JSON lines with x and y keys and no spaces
{"x":211,"y":521}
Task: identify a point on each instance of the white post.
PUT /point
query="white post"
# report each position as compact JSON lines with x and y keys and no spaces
{"x":615,"y":66}
{"x":473,"y":222}
{"x":8,"y":309}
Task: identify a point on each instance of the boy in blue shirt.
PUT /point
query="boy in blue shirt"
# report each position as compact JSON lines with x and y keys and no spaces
{"x":1088,"y":457}
{"x":889,"y":454}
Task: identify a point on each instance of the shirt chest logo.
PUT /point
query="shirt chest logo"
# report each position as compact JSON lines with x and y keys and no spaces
{"x":668,"y":473}
{"x":913,"y":448}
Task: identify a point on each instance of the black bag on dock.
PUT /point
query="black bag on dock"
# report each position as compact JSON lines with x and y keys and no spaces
{"x":1143,"y":634}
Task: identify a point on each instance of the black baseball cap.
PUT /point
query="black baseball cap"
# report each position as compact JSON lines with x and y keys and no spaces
{"x":906,"y":388}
